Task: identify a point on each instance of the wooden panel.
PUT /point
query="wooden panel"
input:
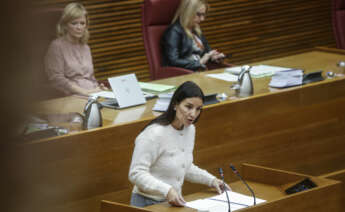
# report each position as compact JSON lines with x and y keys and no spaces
{"x":251,"y":30}
{"x":337,"y":175}
{"x":299,"y":130}
{"x":73,"y":175}
{"x":269,"y":184}
{"x":340,"y":176}
{"x":108,"y":206}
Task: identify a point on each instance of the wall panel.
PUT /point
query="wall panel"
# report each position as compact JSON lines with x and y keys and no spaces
{"x":250,"y":30}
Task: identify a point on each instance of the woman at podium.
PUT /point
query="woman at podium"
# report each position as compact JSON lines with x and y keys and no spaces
{"x":163,"y":152}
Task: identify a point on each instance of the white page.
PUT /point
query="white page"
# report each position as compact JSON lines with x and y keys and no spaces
{"x":233,"y":70}
{"x":258,"y":70}
{"x":289,"y":78}
{"x":268,"y":68}
{"x":110,"y":94}
{"x":161,"y":105}
{"x":238,"y":198}
{"x":162,"y":102}
{"x":224,"y":76}
{"x":203,"y":204}
{"x":104,"y":94}
{"x":212,"y":205}
{"x":219,"y":203}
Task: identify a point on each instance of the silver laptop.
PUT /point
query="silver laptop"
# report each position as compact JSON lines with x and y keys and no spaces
{"x":127,"y":92}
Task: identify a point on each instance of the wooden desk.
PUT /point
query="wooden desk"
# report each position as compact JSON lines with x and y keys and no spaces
{"x":268,"y":184}
{"x":300,"y":129}
{"x":322,"y":59}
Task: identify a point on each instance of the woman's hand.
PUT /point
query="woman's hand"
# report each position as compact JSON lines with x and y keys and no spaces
{"x":213,"y":55}
{"x":219,"y":186}
{"x":217,"y":56}
{"x":175,"y":199}
{"x":103,"y":87}
{"x":206,"y":57}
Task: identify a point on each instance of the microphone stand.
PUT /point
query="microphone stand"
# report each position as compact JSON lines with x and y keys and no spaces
{"x":221,"y":173}
{"x":238,"y":174}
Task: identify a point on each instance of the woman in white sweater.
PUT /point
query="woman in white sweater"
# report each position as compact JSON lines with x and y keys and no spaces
{"x":163,"y":153}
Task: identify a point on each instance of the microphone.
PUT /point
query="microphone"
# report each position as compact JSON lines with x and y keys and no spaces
{"x":221,"y":173}
{"x":238,"y":174}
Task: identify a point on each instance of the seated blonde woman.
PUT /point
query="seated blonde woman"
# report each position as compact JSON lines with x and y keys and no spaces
{"x":68,"y":62}
{"x":183,"y":43}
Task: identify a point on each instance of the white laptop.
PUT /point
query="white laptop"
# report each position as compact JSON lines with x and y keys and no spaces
{"x":127,"y":92}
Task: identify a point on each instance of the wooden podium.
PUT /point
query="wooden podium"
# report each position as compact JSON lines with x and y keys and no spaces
{"x":268,"y":184}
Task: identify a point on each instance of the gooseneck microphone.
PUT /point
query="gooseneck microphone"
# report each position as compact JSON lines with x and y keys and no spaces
{"x":238,"y":174}
{"x":221,"y":173}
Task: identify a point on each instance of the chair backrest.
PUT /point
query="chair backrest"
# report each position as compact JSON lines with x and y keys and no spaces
{"x":338,"y":21}
{"x":43,"y":32}
{"x":156,"y":17}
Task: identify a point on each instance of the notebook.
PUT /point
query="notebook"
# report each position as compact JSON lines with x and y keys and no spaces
{"x":127,"y":92}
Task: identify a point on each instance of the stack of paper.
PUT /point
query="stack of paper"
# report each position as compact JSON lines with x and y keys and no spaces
{"x":257,"y":71}
{"x":104,"y":94}
{"x":111,"y":95}
{"x":224,"y":76}
{"x":265,"y":70}
{"x":156,"y":88}
{"x":287,"y":78}
{"x":162,"y":102}
{"x":220,"y":203}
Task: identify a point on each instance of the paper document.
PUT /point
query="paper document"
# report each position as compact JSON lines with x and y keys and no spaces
{"x":104,"y":94}
{"x":162,"y":102}
{"x":111,"y":95}
{"x":258,"y":70}
{"x":155,"y":88}
{"x":265,"y":70}
{"x":208,"y":205}
{"x":224,"y":76}
{"x":220,"y":203}
{"x":233,"y":70}
{"x":288,"y":78}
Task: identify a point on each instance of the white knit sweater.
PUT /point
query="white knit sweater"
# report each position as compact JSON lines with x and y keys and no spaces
{"x":163,"y":158}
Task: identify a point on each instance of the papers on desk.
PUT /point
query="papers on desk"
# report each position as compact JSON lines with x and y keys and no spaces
{"x":257,"y":71}
{"x":219,"y":203}
{"x":224,"y":76}
{"x":111,"y":95}
{"x":231,"y":74}
{"x":265,"y":70}
{"x":162,"y":102}
{"x":287,"y":78}
{"x":156,"y":88}
{"x":104,"y":94}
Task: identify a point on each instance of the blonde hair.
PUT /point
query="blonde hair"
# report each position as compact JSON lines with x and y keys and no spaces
{"x":73,"y":11}
{"x":186,"y":12}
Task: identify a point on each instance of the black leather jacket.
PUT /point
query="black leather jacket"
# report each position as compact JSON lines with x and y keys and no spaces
{"x":177,"y":47}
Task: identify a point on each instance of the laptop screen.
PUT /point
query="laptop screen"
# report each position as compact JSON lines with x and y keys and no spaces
{"x":127,"y":90}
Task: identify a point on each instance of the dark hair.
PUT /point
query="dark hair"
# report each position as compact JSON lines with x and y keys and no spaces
{"x":186,"y":90}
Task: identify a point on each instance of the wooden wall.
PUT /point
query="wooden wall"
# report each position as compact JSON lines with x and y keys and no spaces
{"x":301,"y":130}
{"x":250,"y":30}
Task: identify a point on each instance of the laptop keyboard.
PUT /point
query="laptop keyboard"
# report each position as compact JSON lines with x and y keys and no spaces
{"x":112,"y":103}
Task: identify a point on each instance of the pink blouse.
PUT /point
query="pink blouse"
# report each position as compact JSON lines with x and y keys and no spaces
{"x":67,"y":63}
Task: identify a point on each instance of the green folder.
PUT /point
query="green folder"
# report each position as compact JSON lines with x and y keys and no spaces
{"x":156,"y":88}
